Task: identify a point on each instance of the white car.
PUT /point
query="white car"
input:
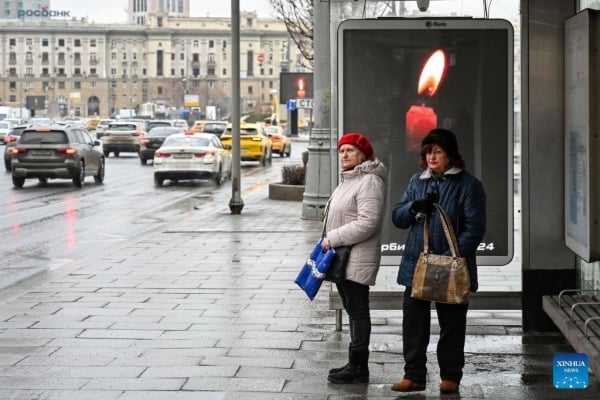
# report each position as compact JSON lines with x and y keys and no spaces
{"x":188,"y":156}
{"x":5,"y":128}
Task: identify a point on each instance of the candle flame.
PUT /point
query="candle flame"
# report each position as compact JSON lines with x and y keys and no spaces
{"x":300,"y":84}
{"x":431,"y":75}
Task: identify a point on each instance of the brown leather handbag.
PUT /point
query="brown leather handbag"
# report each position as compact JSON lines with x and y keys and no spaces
{"x":441,"y":278}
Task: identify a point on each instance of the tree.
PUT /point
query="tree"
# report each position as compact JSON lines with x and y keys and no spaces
{"x":298,"y":16}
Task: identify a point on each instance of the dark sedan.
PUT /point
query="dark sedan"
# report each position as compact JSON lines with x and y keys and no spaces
{"x":154,"y":139}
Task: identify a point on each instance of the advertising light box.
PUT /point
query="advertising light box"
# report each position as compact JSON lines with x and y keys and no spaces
{"x":400,"y":78}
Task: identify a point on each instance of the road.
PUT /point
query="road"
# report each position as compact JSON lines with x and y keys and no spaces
{"x":48,"y":227}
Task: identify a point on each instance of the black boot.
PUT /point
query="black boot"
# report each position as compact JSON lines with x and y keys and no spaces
{"x":357,"y":370}
{"x":352,"y":374}
{"x":339,"y":369}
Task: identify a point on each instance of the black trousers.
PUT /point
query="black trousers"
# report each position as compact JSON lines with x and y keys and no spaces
{"x":355,"y":298}
{"x":416,"y":329}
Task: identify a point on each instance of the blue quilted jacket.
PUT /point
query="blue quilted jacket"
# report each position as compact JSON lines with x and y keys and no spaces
{"x":463,"y":197}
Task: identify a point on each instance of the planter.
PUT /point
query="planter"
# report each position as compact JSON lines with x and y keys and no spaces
{"x":281,"y":191}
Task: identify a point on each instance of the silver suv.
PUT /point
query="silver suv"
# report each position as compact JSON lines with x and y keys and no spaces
{"x":122,"y":136}
{"x":56,"y":152}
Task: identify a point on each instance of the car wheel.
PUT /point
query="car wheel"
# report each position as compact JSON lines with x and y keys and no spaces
{"x":99,"y":177}
{"x":7,"y":165}
{"x":143,"y":160}
{"x":158,"y":181}
{"x":219,"y":176}
{"x":116,"y":154}
{"x":18,"y":182}
{"x":269,"y":157}
{"x":106,"y":153}
{"x":80,"y":175}
{"x":43,"y":181}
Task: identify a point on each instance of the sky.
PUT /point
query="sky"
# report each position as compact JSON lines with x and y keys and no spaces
{"x":106,"y":11}
{"x":112,"y":11}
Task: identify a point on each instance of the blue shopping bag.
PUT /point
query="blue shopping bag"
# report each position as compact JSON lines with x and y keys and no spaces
{"x":314,"y":269}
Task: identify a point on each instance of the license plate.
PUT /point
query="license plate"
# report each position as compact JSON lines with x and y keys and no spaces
{"x":180,"y":156}
{"x":41,"y":152}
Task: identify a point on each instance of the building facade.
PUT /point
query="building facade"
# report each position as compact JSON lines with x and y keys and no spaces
{"x":76,"y":68}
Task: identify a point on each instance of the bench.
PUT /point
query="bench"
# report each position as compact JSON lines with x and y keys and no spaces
{"x":392,"y":300}
{"x":576,"y":313}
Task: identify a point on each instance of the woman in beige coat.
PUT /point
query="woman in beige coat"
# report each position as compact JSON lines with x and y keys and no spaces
{"x":354,"y":217}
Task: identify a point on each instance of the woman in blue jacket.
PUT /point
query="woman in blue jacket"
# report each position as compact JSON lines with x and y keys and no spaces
{"x":443,"y":180}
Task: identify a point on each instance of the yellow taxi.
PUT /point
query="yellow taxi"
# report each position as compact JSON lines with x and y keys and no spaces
{"x":280,"y":143}
{"x":255,"y":144}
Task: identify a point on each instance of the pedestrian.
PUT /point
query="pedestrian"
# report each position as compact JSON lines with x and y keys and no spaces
{"x":444,"y":180}
{"x":354,"y":217}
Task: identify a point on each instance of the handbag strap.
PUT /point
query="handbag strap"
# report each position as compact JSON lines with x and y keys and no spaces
{"x":448,"y":232}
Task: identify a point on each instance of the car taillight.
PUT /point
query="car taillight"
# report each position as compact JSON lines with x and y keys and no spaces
{"x":10,"y":139}
{"x":18,"y":150}
{"x":204,"y":154}
{"x":68,"y":151}
{"x":161,"y":154}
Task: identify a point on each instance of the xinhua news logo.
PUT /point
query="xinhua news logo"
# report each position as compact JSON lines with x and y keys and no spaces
{"x":570,"y":371}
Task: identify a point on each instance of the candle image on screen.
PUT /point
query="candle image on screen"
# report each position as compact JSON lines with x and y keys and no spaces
{"x":300,"y":85}
{"x":420,"y":119}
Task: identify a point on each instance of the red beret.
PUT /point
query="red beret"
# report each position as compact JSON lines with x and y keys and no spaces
{"x":359,"y":141}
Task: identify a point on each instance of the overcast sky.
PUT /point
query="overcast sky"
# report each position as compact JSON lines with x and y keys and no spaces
{"x":114,"y":10}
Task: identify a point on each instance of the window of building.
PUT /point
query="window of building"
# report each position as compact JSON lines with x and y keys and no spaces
{"x":93,"y":71}
{"x":45,"y":57}
{"x":211,"y":44}
{"x":172,"y":71}
{"x":12,"y":85}
{"x":93,"y":84}
{"x":28,"y":42}
{"x":93,"y":57}
{"x":113,"y":71}
{"x":271,"y":71}
{"x":12,"y":42}
{"x":124,"y":56}
{"x":29,"y":71}
{"x":159,"y":90}
{"x":211,"y":57}
{"x":224,"y":44}
{"x":61,"y":71}
{"x":61,"y":42}
{"x":92,"y":42}
{"x":77,"y":71}
{"x":224,"y":57}
{"x":77,"y":43}
{"x":182,"y":56}
{"x":250,"y":90}
{"x":113,"y":56}
{"x":77,"y":85}
{"x":224,"y":72}
{"x":61,"y":84}
{"x":195,"y":43}
{"x":45,"y":42}
{"x":249,"y":22}
{"x":45,"y":71}
{"x":270,"y":84}
{"x":182,"y":72}
{"x":262,"y":71}
{"x":12,"y":56}
{"x":210,"y":71}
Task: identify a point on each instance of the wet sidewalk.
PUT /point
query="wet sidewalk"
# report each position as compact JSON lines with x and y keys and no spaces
{"x":208,"y":310}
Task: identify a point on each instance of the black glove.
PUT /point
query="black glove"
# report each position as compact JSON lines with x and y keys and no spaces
{"x":423,"y":206}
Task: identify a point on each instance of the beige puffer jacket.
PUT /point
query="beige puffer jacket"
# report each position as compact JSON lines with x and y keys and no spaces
{"x":354,"y":216}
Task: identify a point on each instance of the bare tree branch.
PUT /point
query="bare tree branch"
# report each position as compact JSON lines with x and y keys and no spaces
{"x":298,"y":16}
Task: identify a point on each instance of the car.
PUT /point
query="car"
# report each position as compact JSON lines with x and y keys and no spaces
{"x":5,"y":128}
{"x":102,"y":126}
{"x":56,"y":152}
{"x":122,"y":136}
{"x":154,"y":139}
{"x":157,"y":122}
{"x":186,"y":156}
{"x":280,"y":143}
{"x":198,"y":126}
{"x":181,"y":123}
{"x":254,"y":144}
{"x":216,"y":127}
{"x":11,"y":141}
